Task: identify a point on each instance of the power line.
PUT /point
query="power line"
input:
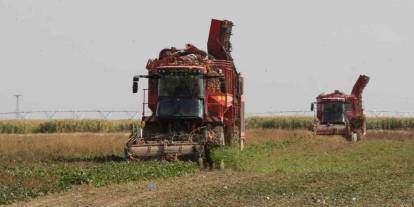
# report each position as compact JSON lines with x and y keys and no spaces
{"x":128,"y":114}
{"x":73,"y":114}
{"x":17,"y":105}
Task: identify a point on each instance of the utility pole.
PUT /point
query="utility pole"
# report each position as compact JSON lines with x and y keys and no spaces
{"x":17,"y":105}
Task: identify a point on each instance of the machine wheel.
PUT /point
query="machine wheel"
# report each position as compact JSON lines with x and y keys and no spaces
{"x":360,"y":136}
{"x":215,"y":138}
{"x":354,"y":137}
{"x":237,"y":139}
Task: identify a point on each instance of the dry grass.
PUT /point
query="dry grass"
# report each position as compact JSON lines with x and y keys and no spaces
{"x":46,"y":147}
{"x":261,"y":136}
{"x":72,"y":146}
{"x":37,"y":164}
{"x":390,"y":135}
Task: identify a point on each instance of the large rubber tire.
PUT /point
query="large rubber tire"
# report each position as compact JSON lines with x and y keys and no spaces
{"x":218,"y":140}
{"x":237,"y":138}
{"x":216,"y":136}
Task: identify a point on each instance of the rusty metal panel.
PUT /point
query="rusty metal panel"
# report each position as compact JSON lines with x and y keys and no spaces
{"x":218,"y":44}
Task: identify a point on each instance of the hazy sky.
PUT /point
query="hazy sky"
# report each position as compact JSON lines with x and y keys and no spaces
{"x":82,"y":54}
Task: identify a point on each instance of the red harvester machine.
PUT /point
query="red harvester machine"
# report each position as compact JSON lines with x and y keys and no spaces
{"x":341,"y":114}
{"x":196,"y":100}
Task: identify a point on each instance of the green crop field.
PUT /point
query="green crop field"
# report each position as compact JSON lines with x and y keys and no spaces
{"x":116,"y":126}
{"x":278,"y":167}
{"x":305,"y":122}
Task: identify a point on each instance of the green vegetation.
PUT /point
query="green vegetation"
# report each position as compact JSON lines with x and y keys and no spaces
{"x":390,"y":123}
{"x":112,"y":126}
{"x":19,"y":182}
{"x":300,"y":171}
{"x":65,"y":126}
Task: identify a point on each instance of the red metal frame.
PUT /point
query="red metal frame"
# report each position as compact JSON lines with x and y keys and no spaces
{"x":357,"y":111}
{"x":220,"y":108}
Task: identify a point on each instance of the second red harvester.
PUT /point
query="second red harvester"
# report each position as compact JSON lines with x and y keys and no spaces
{"x":338,"y":113}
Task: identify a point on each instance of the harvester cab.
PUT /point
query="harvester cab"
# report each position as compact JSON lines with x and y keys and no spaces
{"x":338,"y":113}
{"x":196,"y":101}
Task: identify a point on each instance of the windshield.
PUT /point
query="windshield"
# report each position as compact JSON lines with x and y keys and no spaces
{"x":333,"y":112}
{"x":179,"y":107}
{"x":181,"y":85}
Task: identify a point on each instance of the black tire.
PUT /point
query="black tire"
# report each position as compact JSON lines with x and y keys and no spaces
{"x":237,"y":138}
{"x":216,"y":139}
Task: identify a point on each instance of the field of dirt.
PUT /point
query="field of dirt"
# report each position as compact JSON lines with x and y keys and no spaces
{"x":278,"y":168}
